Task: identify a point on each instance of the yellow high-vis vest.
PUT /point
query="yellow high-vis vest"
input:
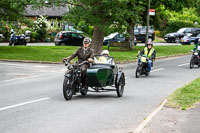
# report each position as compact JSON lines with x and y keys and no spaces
{"x":146,"y":52}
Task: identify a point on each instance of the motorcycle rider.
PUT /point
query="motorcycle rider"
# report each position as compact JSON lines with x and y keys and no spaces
{"x":12,"y":37}
{"x":150,"y":52}
{"x":83,"y":53}
{"x":197,"y":47}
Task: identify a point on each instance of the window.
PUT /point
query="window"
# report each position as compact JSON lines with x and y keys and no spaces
{"x":74,"y":35}
{"x":188,"y":30}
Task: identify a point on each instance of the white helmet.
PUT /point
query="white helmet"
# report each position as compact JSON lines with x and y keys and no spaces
{"x":105,"y":52}
{"x":12,"y":30}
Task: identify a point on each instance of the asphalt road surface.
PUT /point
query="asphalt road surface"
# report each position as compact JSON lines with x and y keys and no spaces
{"x":31,"y":98}
{"x":52,"y":44}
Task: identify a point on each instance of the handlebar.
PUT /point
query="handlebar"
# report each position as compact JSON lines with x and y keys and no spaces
{"x":66,"y":61}
{"x":84,"y":62}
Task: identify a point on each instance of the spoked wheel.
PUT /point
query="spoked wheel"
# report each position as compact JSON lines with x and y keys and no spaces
{"x":191,"y":63}
{"x":137,"y":73}
{"x":67,"y":88}
{"x":62,"y":44}
{"x":120,"y":86}
{"x":177,"y":40}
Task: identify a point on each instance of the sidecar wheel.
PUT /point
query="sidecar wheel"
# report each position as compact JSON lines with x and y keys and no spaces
{"x":67,"y":88}
{"x":120,"y":86}
{"x":137,"y":73}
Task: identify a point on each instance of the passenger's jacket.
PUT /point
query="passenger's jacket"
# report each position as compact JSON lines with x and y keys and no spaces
{"x":83,"y":56}
{"x":151,"y":53}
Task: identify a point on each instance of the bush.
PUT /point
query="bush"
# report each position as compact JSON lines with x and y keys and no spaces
{"x":157,"y":33}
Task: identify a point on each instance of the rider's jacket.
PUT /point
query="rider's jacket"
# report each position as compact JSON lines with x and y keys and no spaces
{"x":151,"y":54}
{"x":196,"y":47}
{"x":83,"y":55}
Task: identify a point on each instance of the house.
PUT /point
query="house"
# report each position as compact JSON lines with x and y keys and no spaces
{"x":52,"y":13}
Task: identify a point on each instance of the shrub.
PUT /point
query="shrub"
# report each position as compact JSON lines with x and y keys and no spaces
{"x":157,"y":33}
{"x":40,"y":26}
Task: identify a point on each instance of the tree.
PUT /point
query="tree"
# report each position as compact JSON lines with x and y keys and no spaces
{"x":12,"y":10}
{"x":102,"y":15}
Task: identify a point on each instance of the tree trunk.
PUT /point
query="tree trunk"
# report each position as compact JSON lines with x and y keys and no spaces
{"x":97,"y":40}
{"x":130,"y":30}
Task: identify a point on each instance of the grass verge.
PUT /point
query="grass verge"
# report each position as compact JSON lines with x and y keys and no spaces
{"x":186,"y":96}
{"x":56,"y":53}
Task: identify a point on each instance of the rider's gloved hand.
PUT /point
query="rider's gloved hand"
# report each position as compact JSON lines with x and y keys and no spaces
{"x":90,"y":60}
{"x":192,"y":50}
{"x":65,"y":59}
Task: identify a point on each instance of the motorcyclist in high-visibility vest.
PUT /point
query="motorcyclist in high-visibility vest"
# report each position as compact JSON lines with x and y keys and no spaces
{"x":197,"y":47}
{"x":150,"y":52}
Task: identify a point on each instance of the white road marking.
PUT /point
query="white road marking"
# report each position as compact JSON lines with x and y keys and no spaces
{"x":149,"y":118}
{"x":21,"y":104}
{"x":184,"y":64}
{"x":160,"y":69}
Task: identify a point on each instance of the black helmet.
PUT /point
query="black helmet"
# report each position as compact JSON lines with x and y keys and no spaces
{"x":86,"y":40}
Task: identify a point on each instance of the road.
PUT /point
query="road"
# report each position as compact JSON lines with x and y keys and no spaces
{"x":31,"y":98}
{"x":52,"y":44}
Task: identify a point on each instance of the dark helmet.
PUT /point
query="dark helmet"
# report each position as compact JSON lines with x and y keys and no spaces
{"x":86,"y":40}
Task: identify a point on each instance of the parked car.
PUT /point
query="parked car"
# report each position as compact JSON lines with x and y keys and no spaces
{"x":190,"y":39}
{"x":1,"y":37}
{"x":140,"y":33}
{"x":116,"y":37}
{"x":66,"y":38}
{"x":176,"y":37}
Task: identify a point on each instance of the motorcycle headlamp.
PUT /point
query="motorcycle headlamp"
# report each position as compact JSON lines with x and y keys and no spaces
{"x":195,"y":53}
{"x":143,"y":59}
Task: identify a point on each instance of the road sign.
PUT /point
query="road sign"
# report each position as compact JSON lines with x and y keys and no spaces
{"x":152,"y":12}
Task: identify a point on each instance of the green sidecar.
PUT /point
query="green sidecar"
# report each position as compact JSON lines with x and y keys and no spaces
{"x":105,"y":73}
{"x":102,"y":73}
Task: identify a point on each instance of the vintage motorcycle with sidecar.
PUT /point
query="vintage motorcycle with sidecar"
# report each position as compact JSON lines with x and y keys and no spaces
{"x":98,"y":77}
{"x":142,"y":66}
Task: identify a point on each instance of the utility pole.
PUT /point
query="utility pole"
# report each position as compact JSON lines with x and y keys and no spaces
{"x":147,"y":28}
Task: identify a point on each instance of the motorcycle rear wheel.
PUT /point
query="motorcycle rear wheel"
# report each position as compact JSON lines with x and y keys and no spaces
{"x":67,"y":88}
{"x":84,"y":91}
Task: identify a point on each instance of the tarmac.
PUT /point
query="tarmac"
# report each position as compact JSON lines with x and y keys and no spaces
{"x":170,"y":120}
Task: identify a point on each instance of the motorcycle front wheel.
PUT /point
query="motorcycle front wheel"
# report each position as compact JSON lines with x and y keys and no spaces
{"x":191,"y":63}
{"x":137,"y":73}
{"x":67,"y":88}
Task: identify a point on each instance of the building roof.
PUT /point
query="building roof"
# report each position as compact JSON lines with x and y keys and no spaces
{"x":53,"y":11}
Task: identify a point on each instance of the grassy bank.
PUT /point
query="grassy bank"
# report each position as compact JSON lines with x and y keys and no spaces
{"x":56,"y":53}
{"x":186,"y":96}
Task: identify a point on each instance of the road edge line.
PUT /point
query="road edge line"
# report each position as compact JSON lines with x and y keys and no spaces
{"x":149,"y":118}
